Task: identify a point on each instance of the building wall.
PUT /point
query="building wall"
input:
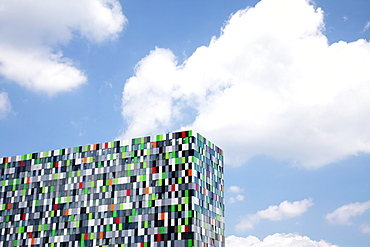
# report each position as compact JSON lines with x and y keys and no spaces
{"x":164,"y":190}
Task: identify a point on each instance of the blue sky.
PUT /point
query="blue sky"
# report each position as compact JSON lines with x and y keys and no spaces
{"x":281,"y":85}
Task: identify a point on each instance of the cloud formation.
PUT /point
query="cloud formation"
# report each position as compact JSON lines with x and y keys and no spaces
{"x":5,"y":105}
{"x":32,"y":34}
{"x":284,"y":210}
{"x":270,"y":84}
{"x":343,"y":215}
{"x":236,"y":198}
{"x":367,"y":26}
{"x":235,"y":190}
{"x":276,"y":240}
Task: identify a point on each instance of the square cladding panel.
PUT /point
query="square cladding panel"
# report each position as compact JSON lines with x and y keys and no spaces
{"x":155,"y":191}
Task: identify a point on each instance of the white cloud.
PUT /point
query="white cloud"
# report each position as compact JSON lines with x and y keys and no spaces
{"x":367,"y":26}
{"x":342,"y":215}
{"x":147,"y":98}
{"x":40,"y":71}
{"x":33,"y":32}
{"x":236,"y":198}
{"x":5,"y":105}
{"x":233,"y":241}
{"x":365,"y":228}
{"x":235,"y":189}
{"x":276,"y":240}
{"x":270,"y":84}
{"x":284,"y":210}
{"x":239,"y":197}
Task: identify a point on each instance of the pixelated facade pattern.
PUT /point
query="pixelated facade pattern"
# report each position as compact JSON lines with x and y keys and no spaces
{"x":163,"y":190}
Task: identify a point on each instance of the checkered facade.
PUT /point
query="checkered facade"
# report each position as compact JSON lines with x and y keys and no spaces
{"x":157,"y":191}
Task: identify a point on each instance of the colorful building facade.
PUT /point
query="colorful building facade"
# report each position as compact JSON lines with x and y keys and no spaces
{"x":156,"y":191}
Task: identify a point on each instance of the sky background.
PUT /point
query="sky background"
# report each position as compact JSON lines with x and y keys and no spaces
{"x":283,"y":86}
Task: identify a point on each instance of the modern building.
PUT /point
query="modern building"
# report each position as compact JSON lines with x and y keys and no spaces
{"x":156,"y":191}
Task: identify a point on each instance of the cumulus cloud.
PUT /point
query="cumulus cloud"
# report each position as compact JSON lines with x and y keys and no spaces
{"x":235,"y":189}
{"x":270,"y":84}
{"x":343,"y":215}
{"x":276,"y":240}
{"x":5,"y":105}
{"x":236,"y":198}
{"x":33,"y":32}
{"x":284,"y":210}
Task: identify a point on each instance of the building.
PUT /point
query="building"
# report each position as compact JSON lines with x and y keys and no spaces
{"x":157,"y":191}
